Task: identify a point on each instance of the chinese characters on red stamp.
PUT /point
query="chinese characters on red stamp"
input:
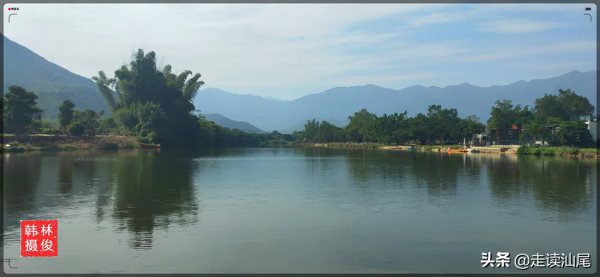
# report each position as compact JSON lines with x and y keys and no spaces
{"x":39,"y":238}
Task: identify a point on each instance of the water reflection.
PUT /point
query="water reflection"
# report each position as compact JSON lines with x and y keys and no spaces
{"x":557,"y":185}
{"x":148,"y":191}
{"x":431,"y":171}
{"x":153,"y":190}
{"x":21,"y":174}
{"x":142,"y":190}
{"x":65,"y":175}
{"x":560,"y":185}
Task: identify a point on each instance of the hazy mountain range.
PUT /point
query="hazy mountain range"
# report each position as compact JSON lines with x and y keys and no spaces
{"x":335,"y":105}
{"x":53,"y":84}
{"x":232,"y":124}
{"x":274,"y":99}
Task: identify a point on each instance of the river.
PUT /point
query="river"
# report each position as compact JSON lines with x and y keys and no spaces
{"x":298,"y":210}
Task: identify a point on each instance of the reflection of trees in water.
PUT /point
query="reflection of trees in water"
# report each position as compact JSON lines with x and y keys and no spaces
{"x":319,"y":160}
{"x":152,"y":188}
{"x":65,"y":175}
{"x":21,"y":176}
{"x":372,"y":168}
{"x":561,"y":185}
{"x":435,"y":172}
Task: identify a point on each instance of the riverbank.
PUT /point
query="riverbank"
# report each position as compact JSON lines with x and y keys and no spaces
{"x":509,"y":149}
{"x":69,"y":144}
{"x":379,"y":146}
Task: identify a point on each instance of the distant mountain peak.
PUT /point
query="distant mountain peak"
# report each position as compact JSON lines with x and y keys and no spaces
{"x":574,"y":72}
{"x":232,"y":124}
{"x":52,"y":83}
{"x":274,"y":99}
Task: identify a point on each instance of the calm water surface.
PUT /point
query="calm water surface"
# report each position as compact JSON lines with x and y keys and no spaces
{"x":311,"y":210}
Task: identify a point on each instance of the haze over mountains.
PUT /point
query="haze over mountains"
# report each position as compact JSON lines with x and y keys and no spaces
{"x":335,"y":105}
{"x":231,"y":124}
{"x":53,"y":84}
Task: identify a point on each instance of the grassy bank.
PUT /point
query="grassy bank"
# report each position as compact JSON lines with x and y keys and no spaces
{"x":524,"y":150}
{"x":346,"y":145}
{"x":105,"y":143}
{"x":435,"y":147}
{"x":376,"y":145}
{"x":557,"y":151}
{"x":276,"y":144}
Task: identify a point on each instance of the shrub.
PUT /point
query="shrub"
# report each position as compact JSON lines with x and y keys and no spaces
{"x":36,"y":124}
{"x":588,"y":152}
{"x":535,"y":150}
{"x":573,"y":151}
{"x":76,"y":129}
{"x":523,"y":149}
{"x":548,"y":151}
{"x":50,"y":131}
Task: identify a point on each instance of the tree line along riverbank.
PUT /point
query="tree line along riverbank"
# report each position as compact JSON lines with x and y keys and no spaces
{"x":67,"y":143}
{"x":160,"y":110}
{"x":561,"y":151}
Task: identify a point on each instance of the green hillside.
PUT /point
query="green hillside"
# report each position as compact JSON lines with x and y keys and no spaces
{"x":52,"y":83}
{"x":232,"y":124}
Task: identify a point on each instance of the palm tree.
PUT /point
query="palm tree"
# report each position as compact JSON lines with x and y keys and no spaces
{"x":104,"y":85}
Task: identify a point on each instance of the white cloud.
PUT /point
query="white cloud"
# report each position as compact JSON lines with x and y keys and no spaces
{"x":256,"y":46}
{"x":517,"y":26}
{"x":512,"y":51}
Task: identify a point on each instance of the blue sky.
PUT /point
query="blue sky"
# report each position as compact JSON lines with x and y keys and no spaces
{"x":291,"y":50}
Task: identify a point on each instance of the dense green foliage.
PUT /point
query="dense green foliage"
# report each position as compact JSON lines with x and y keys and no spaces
{"x":156,"y":105}
{"x":505,"y":115}
{"x":76,"y":129}
{"x":65,"y":113}
{"x":438,"y":125}
{"x":563,"y":105}
{"x":574,"y":133}
{"x":19,"y":106}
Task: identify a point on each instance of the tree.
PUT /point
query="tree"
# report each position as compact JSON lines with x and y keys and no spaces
{"x":76,"y":129}
{"x":171,"y":96}
{"x":420,"y":129}
{"x":48,"y":124}
{"x":563,"y":105}
{"x":65,"y":113}
{"x":574,"y":133}
{"x":90,"y":119}
{"x":467,"y":128}
{"x":505,"y":115}
{"x":150,"y":121}
{"x":361,"y":125}
{"x":443,"y":121}
{"x":328,"y":132}
{"x":108,"y":125}
{"x":386,"y":128}
{"x":310,"y":130}
{"x":20,"y":105}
